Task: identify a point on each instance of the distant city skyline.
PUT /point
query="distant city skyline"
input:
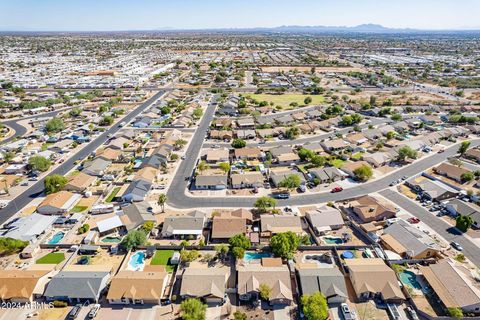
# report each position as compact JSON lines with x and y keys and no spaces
{"x":123,"y":15}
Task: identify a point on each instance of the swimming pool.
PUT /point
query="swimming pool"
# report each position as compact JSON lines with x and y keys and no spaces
{"x":332,"y":240}
{"x":111,"y":239}
{"x":137,"y":261}
{"x":409,"y":278}
{"x":56,"y":238}
{"x":348,"y":255}
{"x":249,"y":256}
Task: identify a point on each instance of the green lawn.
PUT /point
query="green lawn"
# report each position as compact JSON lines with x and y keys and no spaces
{"x":284,"y":100}
{"x":161,"y":257}
{"x":78,"y":209}
{"x":358,"y":155}
{"x":51,"y":258}
{"x":337,"y":163}
{"x":113,"y":194}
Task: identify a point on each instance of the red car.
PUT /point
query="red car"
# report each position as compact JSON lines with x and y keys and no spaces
{"x":337,"y":189}
{"x":413,"y":220}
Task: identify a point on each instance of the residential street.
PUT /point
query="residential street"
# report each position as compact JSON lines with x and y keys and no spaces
{"x":441,"y":227}
{"x":23,"y":199}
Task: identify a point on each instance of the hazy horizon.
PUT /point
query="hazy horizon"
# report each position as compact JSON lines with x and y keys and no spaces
{"x":123,"y":15}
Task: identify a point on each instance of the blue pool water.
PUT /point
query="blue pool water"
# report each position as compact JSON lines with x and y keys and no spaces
{"x":137,"y":261}
{"x":410,"y":279}
{"x":56,"y":238}
{"x":348,"y":255}
{"x":249,"y":256}
{"x":332,"y":240}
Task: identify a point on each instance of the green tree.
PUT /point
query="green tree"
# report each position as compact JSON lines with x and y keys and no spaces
{"x":464,"y":147}
{"x":221,"y":250}
{"x":189,"y":255}
{"x":75,"y":112}
{"x":406,"y":152}
{"x":239,"y":143}
{"x":134,"y":239}
{"x":197,"y":113}
{"x":39,"y":163}
{"x":314,"y":306}
{"x":10,"y":246}
{"x":305,"y":154}
{"x":318,"y":161}
{"x":307,"y":100}
{"x":202,"y":166}
{"x":162,"y":199}
{"x":240,"y":241}
{"x":363,"y":173}
{"x":467,"y":176}
{"x":238,"y":315}
{"x":54,"y":125}
{"x":193,"y":309}
{"x":347,"y":120}
{"x":396,"y":117}
{"x":292,"y":133}
{"x":265,"y":203}
{"x":455,"y":313}
{"x":291,"y":182}
{"x":390,"y":135}
{"x":179,"y":144}
{"x":264,"y":291}
{"x":284,"y":244}
{"x":8,"y":156}
{"x":83,"y":228}
{"x":463,"y":223}
{"x":54,"y":183}
{"x":147,"y":226}
{"x":225,"y":166}
{"x":106,"y":121}
{"x":238,"y":252}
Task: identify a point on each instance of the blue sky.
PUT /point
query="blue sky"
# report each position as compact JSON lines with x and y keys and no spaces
{"x":88,"y":15}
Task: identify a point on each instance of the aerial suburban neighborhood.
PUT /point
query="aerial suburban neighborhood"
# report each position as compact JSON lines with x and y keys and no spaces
{"x":274,"y":173}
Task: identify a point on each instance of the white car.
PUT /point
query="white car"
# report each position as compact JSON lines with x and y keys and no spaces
{"x":347,"y":314}
{"x":93,"y":312}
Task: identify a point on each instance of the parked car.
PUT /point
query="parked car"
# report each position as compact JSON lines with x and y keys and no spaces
{"x":412,"y":313}
{"x":337,"y":189}
{"x":456,"y":246}
{"x":281,"y":195}
{"x":93,"y":312}
{"x":413,"y":220}
{"x":73,"y":314}
{"x":347,"y":314}
{"x":441,"y":151}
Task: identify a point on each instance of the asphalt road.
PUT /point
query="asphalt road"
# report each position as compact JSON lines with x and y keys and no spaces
{"x":177,"y":198}
{"x":21,"y":130}
{"x":441,"y":227}
{"x":37,"y":189}
{"x":176,"y":191}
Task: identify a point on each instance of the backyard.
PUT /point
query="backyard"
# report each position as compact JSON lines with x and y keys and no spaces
{"x":162,"y":257}
{"x":284,"y":100}
{"x":51,"y":258}
{"x":112,"y":194}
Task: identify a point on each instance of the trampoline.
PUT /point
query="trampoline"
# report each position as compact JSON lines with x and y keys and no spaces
{"x":348,"y":255}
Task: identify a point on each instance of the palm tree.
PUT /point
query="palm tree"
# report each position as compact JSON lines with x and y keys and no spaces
{"x":162,"y":198}
{"x":202,"y":166}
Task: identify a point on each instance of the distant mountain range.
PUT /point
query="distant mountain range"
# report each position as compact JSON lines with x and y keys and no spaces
{"x":368,"y":28}
{"x":363,"y":28}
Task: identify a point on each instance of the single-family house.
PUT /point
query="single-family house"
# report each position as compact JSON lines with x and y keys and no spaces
{"x":247,"y":180}
{"x":191,"y":224}
{"x":138,"y":287}
{"x":273,"y":224}
{"x":96,"y":167}
{"x":58,"y":203}
{"x":369,"y":209}
{"x":372,"y":278}
{"x":272,"y":273}
{"x":211,"y":182}
{"x":329,"y":281}
{"x":325,"y":219}
{"x":80,"y":182}
{"x":207,"y":284}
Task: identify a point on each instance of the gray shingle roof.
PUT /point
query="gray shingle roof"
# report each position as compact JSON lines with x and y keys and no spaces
{"x":75,"y":284}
